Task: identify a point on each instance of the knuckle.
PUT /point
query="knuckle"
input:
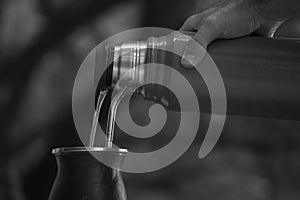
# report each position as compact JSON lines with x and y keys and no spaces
{"x":212,"y":21}
{"x":193,"y":17}
{"x":172,"y":35}
{"x":192,"y":20}
{"x":214,"y":24}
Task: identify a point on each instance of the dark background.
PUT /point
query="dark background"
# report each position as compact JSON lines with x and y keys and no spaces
{"x":43,"y":43}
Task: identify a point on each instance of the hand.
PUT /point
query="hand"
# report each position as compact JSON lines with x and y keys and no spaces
{"x":226,"y":19}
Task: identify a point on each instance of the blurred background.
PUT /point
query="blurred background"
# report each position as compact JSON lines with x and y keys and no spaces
{"x":43,"y":43}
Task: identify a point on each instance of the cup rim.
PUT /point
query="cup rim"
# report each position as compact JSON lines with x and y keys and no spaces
{"x":82,"y":149}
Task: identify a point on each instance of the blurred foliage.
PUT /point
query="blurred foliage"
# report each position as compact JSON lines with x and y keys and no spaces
{"x":43,"y":43}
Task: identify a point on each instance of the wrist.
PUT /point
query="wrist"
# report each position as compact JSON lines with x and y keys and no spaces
{"x":270,"y":15}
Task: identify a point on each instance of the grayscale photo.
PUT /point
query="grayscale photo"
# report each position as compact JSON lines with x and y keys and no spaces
{"x":149,"y":99}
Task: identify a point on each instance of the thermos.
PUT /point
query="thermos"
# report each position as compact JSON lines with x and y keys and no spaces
{"x":261,"y":75}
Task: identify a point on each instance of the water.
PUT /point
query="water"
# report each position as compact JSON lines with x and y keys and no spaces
{"x":100,"y":101}
{"x":111,"y":115}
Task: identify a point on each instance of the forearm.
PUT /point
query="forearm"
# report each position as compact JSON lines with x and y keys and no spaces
{"x":272,"y":13}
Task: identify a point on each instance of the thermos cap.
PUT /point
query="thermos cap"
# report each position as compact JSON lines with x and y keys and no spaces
{"x":127,"y":57}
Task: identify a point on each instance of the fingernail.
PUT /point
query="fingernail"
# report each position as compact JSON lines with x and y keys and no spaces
{"x":193,"y":54}
{"x":189,"y":60}
{"x":192,"y":57}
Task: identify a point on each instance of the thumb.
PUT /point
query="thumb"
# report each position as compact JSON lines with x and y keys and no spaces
{"x":193,"y":53}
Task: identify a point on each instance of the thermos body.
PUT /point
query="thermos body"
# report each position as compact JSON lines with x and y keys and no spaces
{"x":261,"y":76}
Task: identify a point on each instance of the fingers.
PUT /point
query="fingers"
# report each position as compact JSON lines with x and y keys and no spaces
{"x":192,"y":23}
{"x":207,"y":31}
{"x":192,"y":55}
{"x":178,"y":42}
{"x":189,"y":33}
